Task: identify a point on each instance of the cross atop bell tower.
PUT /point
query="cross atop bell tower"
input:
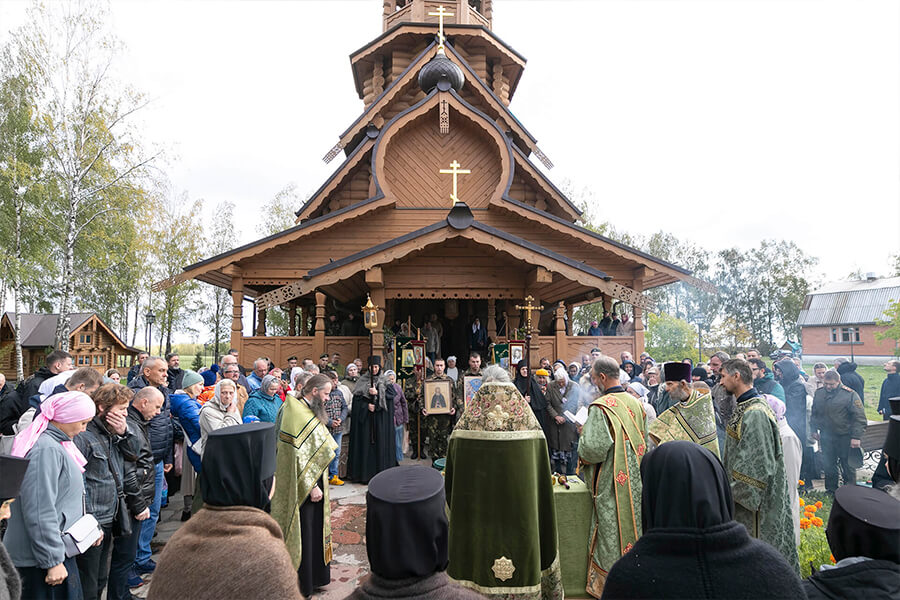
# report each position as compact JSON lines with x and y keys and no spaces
{"x":465,"y":12}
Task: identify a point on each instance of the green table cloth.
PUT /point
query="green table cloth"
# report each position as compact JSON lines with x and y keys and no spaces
{"x":573,"y":524}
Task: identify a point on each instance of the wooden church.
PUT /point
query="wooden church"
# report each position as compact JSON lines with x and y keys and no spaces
{"x":437,"y":207}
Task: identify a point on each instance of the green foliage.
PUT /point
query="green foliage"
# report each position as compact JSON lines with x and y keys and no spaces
{"x":892,"y":323}
{"x":217,"y":304}
{"x":197,"y":363}
{"x":279,"y":212}
{"x":670,"y":338}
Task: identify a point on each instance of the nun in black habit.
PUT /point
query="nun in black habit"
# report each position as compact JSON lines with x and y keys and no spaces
{"x":372,"y":433}
{"x":531,"y":391}
{"x":407,"y":538}
{"x":689,"y":528}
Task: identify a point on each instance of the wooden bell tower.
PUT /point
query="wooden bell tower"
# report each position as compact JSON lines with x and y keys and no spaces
{"x":465,"y":12}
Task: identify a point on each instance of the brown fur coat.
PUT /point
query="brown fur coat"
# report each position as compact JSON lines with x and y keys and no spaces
{"x":226,"y":552}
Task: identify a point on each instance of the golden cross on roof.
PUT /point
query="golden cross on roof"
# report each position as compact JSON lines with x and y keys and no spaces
{"x":528,"y":307}
{"x":440,"y":14}
{"x":454,"y":170}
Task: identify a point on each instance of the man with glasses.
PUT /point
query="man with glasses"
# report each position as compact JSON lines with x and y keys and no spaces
{"x":764,"y":379}
{"x":232,"y":371}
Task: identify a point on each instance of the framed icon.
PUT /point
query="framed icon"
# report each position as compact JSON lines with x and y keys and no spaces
{"x":516,"y":353}
{"x":471,"y":385}
{"x":438,"y":397}
{"x":419,"y":354}
{"x":409,"y":358}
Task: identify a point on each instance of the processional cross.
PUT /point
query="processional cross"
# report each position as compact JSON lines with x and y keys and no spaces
{"x":455,"y":170}
{"x":528,"y":307}
{"x":440,"y":14}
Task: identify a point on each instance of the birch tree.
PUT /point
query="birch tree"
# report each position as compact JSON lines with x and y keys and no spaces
{"x":92,"y":152}
{"x":221,"y":238}
{"x":21,"y":245}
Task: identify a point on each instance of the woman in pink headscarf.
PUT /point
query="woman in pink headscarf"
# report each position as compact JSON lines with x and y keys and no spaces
{"x":50,"y":499}
{"x":793,"y":456}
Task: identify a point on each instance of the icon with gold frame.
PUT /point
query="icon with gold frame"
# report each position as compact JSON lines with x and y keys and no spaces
{"x":438,"y":397}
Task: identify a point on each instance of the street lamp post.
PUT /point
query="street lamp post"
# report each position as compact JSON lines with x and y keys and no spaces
{"x":150,"y":319}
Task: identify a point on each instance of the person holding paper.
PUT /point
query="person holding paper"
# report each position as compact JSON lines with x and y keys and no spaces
{"x":562,"y":436}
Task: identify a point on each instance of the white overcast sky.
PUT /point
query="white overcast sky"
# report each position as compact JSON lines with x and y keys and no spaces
{"x":725,"y":122}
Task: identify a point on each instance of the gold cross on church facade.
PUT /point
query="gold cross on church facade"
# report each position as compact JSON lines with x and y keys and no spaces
{"x":454,"y":170}
{"x":440,"y":14}
{"x":529,"y":299}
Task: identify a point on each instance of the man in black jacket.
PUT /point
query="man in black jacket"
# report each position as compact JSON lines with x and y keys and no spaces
{"x":135,"y":369}
{"x":55,"y":363}
{"x":9,"y":405}
{"x":175,"y":372}
{"x":849,"y":376}
{"x":139,"y":464}
{"x":890,"y":388}
{"x":155,"y":373}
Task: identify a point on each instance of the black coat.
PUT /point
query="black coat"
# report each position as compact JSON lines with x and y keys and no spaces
{"x":176,"y":376}
{"x":139,"y":463}
{"x":12,"y":405}
{"x":161,"y":427}
{"x":794,"y":397}
{"x":851,"y":378}
{"x":871,"y":579}
{"x":722,"y":562}
{"x":890,"y":388}
{"x":32,"y":385}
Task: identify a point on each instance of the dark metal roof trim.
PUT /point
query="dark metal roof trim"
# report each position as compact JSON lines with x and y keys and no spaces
{"x":541,"y":250}
{"x":332,"y":176}
{"x":596,"y":235}
{"x":375,"y":249}
{"x":550,"y":183}
{"x":491,"y":92}
{"x":269,"y":238}
{"x":390,"y":86}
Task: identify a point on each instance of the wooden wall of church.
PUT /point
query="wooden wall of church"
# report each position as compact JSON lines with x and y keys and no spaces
{"x":414,"y":157}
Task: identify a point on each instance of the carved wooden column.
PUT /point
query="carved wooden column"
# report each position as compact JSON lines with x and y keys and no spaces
{"x":607,"y":302}
{"x":261,"y":321}
{"x":319,"y":339}
{"x":562,"y":350}
{"x":378,"y":334}
{"x":492,"y":320}
{"x":638,"y":286}
{"x":237,"y":306}
{"x":292,"y":319}
{"x":304,"y":320}
{"x":570,"y":313}
{"x":513,"y":317}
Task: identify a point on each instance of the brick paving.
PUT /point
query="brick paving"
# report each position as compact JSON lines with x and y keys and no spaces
{"x":348,"y":533}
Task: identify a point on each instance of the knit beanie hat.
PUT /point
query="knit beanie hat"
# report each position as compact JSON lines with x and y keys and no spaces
{"x":209,"y":377}
{"x":190,"y":378}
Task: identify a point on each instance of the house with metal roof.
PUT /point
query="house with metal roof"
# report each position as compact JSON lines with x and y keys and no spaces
{"x":840,"y":318}
{"x":92,"y":343}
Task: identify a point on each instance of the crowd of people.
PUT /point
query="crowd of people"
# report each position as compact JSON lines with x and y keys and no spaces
{"x":689,"y":467}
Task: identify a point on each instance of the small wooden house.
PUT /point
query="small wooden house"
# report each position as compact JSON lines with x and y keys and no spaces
{"x":92,"y":343}
{"x":437,"y":208}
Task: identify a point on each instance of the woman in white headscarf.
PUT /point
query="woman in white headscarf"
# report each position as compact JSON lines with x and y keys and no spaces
{"x":793,"y":456}
{"x":220,"y":411}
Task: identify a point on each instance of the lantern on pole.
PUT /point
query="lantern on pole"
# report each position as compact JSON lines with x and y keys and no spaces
{"x":370,"y":314}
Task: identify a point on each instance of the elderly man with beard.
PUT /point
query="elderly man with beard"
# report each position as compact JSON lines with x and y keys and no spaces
{"x":300,"y":504}
{"x":691,"y":418}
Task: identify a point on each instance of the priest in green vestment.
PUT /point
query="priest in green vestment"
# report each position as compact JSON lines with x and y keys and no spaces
{"x":691,"y":418}
{"x":612,"y":443}
{"x":754,"y":460}
{"x":300,"y":504}
{"x":503,"y":540}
